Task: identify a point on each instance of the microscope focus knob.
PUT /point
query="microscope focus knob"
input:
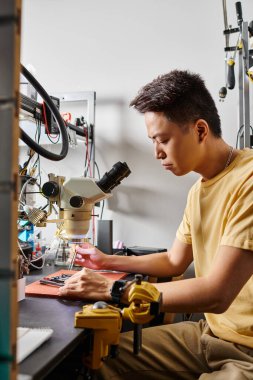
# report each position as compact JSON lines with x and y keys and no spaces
{"x":76,"y":201}
{"x":50,"y":189}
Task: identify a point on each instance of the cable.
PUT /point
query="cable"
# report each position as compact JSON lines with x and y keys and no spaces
{"x":96,"y":166}
{"x":35,"y":166}
{"x":42,"y":257}
{"x":30,"y":142}
{"x":91,"y":152}
{"x":88,"y":157}
{"x":23,"y":170}
{"x":46,"y":126}
{"x":103,"y":201}
{"x":239,"y":134}
{"x":23,"y":190}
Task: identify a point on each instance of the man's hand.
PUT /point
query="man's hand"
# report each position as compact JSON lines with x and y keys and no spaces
{"x":87,"y":285}
{"x":90,"y":257}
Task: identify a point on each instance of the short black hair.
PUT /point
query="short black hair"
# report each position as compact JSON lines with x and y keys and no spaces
{"x":182,"y":96}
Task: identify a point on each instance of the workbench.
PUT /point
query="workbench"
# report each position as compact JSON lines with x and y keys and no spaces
{"x":49,"y":312}
{"x":57,"y":314}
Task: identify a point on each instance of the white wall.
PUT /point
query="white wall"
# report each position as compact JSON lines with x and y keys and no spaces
{"x":114,"y":47}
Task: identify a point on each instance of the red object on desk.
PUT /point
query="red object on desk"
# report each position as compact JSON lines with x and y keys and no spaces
{"x":36,"y":289}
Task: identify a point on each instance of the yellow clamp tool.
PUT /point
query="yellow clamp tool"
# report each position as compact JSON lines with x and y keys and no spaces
{"x":105,"y":321}
{"x":144,"y":300}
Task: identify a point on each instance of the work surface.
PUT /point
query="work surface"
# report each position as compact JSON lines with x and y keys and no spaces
{"x":57,"y":314}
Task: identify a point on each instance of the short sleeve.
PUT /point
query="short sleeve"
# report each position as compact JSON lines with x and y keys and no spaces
{"x":184,"y":230}
{"x":238,"y":231}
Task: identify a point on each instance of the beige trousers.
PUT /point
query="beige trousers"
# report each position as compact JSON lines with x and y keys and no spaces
{"x":186,"y":350}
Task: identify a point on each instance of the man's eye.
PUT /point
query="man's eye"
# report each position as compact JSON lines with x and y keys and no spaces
{"x":160,"y":141}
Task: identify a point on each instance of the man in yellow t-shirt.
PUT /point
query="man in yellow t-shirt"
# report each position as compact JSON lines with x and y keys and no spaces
{"x":216,"y":233}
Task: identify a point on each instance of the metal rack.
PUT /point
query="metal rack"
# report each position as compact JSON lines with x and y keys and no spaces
{"x":10,"y":19}
{"x":88,"y":97}
{"x":244,"y":97}
{"x":245,"y":56}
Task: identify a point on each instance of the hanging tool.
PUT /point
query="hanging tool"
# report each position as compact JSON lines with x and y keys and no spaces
{"x":231,"y":66}
{"x":231,"y":61}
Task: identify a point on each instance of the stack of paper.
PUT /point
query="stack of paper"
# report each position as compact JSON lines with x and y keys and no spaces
{"x":29,"y":339}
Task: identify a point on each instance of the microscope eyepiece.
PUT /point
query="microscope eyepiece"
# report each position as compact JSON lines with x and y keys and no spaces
{"x":111,"y":179}
{"x":50,"y":189}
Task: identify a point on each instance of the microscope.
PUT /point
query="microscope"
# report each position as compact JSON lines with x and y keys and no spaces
{"x":75,"y":199}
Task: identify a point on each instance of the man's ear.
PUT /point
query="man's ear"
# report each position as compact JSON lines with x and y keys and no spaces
{"x":202,"y":129}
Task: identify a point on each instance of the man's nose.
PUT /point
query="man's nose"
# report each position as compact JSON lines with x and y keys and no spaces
{"x":159,"y":153}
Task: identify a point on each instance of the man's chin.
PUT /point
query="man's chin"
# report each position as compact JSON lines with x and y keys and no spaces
{"x":177,"y":171}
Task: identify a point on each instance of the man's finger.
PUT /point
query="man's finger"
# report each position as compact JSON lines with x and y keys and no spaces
{"x":79,"y":261}
{"x":68,"y":292}
{"x":85,"y":251}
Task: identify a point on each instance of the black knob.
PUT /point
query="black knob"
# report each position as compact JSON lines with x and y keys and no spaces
{"x":223,"y":92}
{"x":76,"y":201}
{"x":138,"y":278}
{"x":50,"y":189}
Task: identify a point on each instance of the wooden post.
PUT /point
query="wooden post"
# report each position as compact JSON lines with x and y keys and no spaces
{"x":10,"y":18}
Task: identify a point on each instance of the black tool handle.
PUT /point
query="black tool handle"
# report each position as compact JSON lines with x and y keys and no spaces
{"x":238,"y":7}
{"x":231,"y":74}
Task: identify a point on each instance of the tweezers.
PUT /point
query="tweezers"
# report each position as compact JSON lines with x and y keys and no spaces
{"x":51,"y":282}
{"x":72,"y":261}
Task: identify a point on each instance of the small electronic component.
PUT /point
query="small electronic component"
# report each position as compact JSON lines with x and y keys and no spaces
{"x":55,"y":280}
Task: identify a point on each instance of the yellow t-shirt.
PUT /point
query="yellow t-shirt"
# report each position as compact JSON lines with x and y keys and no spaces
{"x":220,"y":212}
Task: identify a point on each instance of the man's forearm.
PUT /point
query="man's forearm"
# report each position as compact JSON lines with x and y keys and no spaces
{"x":194,"y":295}
{"x":157,"y":264}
